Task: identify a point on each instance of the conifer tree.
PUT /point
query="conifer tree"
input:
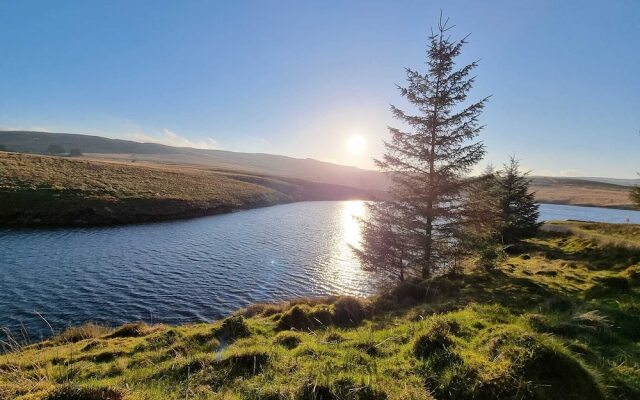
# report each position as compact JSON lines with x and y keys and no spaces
{"x":519,"y":208}
{"x":635,"y":196}
{"x":384,"y":250}
{"x":427,"y":158}
{"x":483,"y":220}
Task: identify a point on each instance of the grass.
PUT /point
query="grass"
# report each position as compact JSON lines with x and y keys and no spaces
{"x":59,"y":191}
{"x":581,"y":193}
{"x":559,"y":319}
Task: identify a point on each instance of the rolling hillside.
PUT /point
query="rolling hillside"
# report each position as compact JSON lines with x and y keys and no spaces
{"x":269,"y":164}
{"x":604,"y":192}
{"x":40,"y":190}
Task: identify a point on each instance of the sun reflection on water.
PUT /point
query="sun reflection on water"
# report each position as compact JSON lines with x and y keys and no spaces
{"x":351,"y":211}
{"x":345,"y":273}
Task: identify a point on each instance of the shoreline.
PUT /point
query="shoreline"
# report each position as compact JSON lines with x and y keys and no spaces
{"x":419,"y":340}
{"x":52,"y":192}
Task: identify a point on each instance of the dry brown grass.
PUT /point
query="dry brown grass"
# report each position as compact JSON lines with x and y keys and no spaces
{"x":619,"y":235}
{"x":45,"y":190}
{"x":75,"y":334}
{"x":584,"y":195}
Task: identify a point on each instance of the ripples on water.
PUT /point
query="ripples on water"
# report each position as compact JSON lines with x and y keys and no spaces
{"x":192,"y":270}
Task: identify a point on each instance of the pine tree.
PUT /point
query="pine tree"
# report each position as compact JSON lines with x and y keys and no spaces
{"x":384,"y":249}
{"x":428,"y":158}
{"x":635,"y":196}
{"x":483,"y":220}
{"x":519,"y":208}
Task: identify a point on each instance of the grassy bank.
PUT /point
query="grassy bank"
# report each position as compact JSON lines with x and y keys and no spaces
{"x":559,"y":319}
{"x":579,"y":192}
{"x":59,"y":191}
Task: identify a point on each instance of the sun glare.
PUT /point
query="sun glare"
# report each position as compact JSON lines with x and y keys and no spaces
{"x":356,"y":144}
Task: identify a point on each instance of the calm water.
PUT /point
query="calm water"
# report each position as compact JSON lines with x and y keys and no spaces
{"x":192,"y":270}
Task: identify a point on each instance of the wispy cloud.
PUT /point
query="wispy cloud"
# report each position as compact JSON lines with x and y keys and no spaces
{"x":170,"y":138}
{"x":566,"y":173}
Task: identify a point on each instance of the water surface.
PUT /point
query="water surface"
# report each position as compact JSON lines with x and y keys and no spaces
{"x":192,"y":270}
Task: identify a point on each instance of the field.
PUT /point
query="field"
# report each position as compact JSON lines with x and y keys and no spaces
{"x":64,"y":191}
{"x":600,"y":192}
{"x":558,"y":319}
{"x":579,"y":192}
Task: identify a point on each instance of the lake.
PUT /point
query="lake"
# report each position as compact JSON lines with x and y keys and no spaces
{"x":192,"y":270}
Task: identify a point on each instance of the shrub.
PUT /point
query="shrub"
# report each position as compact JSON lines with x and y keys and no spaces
{"x":441,"y":286}
{"x":233,"y":328}
{"x":348,"y":311}
{"x":409,"y":291}
{"x":490,"y":255}
{"x":75,"y":153}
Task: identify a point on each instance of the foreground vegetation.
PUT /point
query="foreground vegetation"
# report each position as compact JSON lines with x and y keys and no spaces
{"x":58,"y":191}
{"x":558,"y":319}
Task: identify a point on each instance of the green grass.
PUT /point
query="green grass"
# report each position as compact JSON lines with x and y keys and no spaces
{"x":59,"y":191}
{"x":559,"y":319}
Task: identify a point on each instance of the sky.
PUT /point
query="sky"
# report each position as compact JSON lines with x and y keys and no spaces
{"x":316,"y":78}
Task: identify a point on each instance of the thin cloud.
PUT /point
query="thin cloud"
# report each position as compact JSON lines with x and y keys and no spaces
{"x":170,"y":138}
{"x":564,"y":173}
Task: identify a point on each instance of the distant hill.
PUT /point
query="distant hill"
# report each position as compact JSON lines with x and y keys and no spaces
{"x":608,"y":192}
{"x":309,"y":169}
{"x":38,"y":142}
{"x":615,"y":181}
{"x":593,"y":182}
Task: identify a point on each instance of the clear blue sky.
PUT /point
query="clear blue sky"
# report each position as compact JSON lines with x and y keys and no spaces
{"x":300,"y":77}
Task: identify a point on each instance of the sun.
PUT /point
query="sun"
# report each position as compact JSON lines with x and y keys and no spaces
{"x":356,"y":144}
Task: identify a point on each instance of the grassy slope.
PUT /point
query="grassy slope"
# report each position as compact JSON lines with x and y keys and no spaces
{"x":555,"y":190}
{"x":558,"y":320}
{"x":580,"y":192}
{"x":42,"y":190}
